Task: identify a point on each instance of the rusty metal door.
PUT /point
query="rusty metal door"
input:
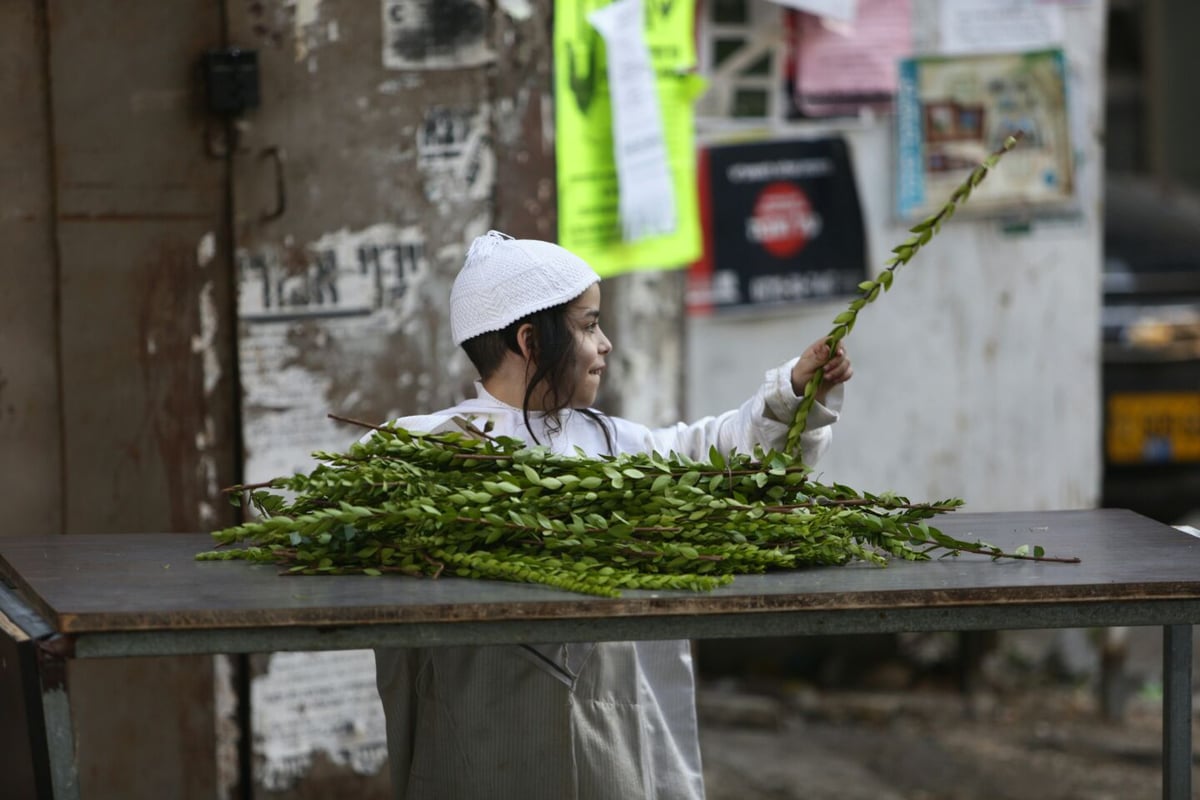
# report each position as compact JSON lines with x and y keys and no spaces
{"x":116,"y":386}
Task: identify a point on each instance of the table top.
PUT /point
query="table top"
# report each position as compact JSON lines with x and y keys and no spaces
{"x":82,"y":584}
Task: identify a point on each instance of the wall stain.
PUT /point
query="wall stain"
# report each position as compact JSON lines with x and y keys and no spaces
{"x":172,"y":375}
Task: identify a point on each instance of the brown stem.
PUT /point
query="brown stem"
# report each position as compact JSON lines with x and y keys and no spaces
{"x":1000,"y":554}
{"x":409,"y":570}
{"x":466,"y":425}
{"x":512,"y":525}
{"x":440,"y":566}
{"x":731,"y":472}
{"x":244,"y":487}
{"x":357,"y":422}
{"x":641,"y":553}
{"x":858,"y":501}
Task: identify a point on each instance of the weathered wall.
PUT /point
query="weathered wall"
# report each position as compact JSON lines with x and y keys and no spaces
{"x":29,"y":434}
{"x":30,"y":439}
{"x":141,"y":209}
{"x":977,"y":376}
{"x":387,"y":173}
{"x":115,"y":366}
{"x":146,"y":373}
{"x":523,"y":120}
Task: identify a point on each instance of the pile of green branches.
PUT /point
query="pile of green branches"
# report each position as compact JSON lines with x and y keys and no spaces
{"x":473,"y":505}
{"x":470,"y":504}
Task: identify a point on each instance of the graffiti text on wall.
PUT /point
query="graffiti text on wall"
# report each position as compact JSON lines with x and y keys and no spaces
{"x":454,"y":153}
{"x":342,"y":274}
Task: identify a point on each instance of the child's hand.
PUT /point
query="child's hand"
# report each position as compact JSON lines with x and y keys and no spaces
{"x":838,"y":370}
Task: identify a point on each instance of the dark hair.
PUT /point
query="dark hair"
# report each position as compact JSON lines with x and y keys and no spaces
{"x":552,"y":350}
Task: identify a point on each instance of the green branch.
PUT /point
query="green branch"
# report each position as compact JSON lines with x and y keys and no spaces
{"x":868,"y":290}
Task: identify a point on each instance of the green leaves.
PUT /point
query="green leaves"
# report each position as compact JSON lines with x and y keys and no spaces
{"x":922,"y":232}
{"x":425,"y":504}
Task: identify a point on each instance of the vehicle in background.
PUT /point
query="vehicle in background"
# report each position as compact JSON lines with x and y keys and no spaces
{"x":1151,"y":348}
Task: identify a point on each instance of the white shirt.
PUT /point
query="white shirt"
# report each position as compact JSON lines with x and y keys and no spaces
{"x":578,"y":721}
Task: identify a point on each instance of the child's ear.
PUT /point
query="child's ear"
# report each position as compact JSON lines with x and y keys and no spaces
{"x":527,"y":341}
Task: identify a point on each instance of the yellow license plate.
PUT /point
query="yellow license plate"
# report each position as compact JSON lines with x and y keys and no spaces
{"x":1153,"y":427}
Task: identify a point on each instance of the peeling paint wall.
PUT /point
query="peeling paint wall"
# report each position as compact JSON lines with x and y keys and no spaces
{"x":389,"y":173}
{"x":301,"y":704}
{"x":227,"y":733}
{"x":643,"y":318}
{"x":435,"y":34}
{"x":309,"y":338}
{"x":523,"y":121}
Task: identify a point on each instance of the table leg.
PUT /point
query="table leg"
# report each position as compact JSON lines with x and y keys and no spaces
{"x":1177,"y":712}
{"x":60,"y":728}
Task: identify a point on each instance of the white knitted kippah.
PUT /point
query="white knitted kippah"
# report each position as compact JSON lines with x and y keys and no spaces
{"x":505,"y":279}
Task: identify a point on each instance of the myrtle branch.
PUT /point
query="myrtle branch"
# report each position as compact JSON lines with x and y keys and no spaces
{"x":868,"y":290}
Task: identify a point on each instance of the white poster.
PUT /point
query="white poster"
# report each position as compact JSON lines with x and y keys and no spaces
{"x":645,"y":194}
{"x":999,"y":26}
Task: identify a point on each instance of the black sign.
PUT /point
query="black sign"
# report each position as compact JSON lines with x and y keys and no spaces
{"x":782,"y":224}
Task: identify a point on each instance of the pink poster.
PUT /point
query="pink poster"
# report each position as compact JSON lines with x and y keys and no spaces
{"x":841,"y":67}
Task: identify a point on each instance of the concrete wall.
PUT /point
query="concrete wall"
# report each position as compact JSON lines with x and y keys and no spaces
{"x":977,"y":376}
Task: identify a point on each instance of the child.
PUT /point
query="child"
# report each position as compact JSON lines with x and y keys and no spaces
{"x":609,"y":720}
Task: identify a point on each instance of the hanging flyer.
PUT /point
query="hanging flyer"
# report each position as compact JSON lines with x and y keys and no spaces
{"x":589,"y":218}
{"x":646,"y":200}
{"x":782,"y":225}
{"x":841,"y":68}
{"x":952,"y":111}
{"x":999,"y":26}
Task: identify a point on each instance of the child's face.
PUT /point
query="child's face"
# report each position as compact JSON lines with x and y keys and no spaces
{"x":591,"y":346}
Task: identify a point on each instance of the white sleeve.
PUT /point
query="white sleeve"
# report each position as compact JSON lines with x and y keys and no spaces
{"x":760,"y":421}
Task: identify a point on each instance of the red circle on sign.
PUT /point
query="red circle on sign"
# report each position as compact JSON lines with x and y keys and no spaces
{"x":783,"y":220}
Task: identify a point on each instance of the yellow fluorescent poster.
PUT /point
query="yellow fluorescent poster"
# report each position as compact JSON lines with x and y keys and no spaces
{"x":588,"y":219}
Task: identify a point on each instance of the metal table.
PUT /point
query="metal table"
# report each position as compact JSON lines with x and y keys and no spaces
{"x":145,"y":595}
